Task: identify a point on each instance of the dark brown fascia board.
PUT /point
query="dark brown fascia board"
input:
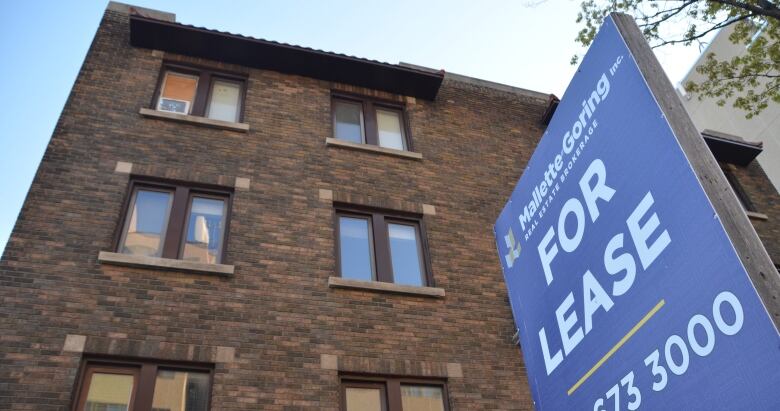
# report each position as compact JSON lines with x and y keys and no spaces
{"x":731,"y":151}
{"x":262,"y":54}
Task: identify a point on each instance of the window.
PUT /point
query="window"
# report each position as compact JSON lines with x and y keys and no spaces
{"x":148,"y":221}
{"x":390,"y":132}
{"x":365,"y":121}
{"x":225,"y":100}
{"x":110,"y":389}
{"x":143,"y":386}
{"x":405,"y":253}
{"x":178,"y":92}
{"x":738,"y":190}
{"x":375,"y":246}
{"x":348,"y":121}
{"x":415,"y":397}
{"x":175,"y":221}
{"x":393,"y":394}
{"x":204,"y":93}
{"x":356,"y":246}
{"x":365,"y":397}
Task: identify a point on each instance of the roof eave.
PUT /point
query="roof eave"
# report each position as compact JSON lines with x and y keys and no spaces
{"x":730,"y":151}
{"x":230,"y":48}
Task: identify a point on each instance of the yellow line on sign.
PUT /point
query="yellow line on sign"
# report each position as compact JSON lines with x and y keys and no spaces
{"x":617,"y":346}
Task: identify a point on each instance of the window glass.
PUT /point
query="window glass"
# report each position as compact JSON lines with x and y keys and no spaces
{"x":181,"y":391}
{"x":224,"y":103}
{"x":348,"y":121}
{"x":109,"y":392}
{"x":404,"y":254}
{"x":356,"y":250}
{"x":364,"y":399}
{"x":421,"y":398}
{"x":205,"y":225}
{"x":389,"y":124}
{"x":178,"y":92}
{"x":145,"y":231}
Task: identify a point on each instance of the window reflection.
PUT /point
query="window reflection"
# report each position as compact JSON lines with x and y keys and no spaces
{"x":205,"y":226}
{"x":356,"y":251}
{"x":181,"y":391}
{"x":405,"y":254}
{"x":109,"y":392}
{"x":148,"y":220}
{"x":421,"y":398}
{"x":348,"y":121}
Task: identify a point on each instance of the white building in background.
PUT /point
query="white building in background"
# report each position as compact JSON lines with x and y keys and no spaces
{"x":707,"y":115}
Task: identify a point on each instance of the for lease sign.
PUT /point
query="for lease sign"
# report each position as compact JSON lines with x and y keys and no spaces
{"x":625,"y":288}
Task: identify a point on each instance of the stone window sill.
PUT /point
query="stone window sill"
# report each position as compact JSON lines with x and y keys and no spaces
{"x":338,"y":282}
{"x":106,"y":257}
{"x":756,"y":216}
{"x":197,"y":120}
{"x":334,"y":142}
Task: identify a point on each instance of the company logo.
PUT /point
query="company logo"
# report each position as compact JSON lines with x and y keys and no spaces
{"x":514,"y":249}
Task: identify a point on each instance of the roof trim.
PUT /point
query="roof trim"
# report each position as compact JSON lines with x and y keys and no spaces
{"x":731,"y":149}
{"x":552,"y":104}
{"x":268,"y":55}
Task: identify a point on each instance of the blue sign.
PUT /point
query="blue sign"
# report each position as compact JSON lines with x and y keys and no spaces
{"x":625,"y":288}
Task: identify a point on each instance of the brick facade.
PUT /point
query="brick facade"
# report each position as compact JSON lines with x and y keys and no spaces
{"x":277,"y":334}
{"x":765,"y":199}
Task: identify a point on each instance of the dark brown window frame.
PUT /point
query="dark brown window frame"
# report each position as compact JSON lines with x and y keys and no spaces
{"x":144,"y":372}
{"x":206,"y":77}
{"x":183,"y":192}
{"x":380,"y":240}
{"x":370,"y":126}
{"x":391,"y":387}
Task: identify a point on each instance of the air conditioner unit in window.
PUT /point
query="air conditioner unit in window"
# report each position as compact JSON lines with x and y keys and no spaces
{"x":174,"y":106}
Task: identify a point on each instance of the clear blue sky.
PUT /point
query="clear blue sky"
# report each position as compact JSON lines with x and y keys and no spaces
{"x":43,"y":43}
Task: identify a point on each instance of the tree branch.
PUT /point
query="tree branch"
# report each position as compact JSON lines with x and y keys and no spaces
{"x":770,"y":11}
{"x":752,"y":78}
{"x":749,"y":76}
{"x":705,"y":32}
{"x":672,"y":12}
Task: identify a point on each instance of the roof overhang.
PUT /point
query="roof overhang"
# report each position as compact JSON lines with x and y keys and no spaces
{"x":267,"y":55}
{"x":729,"y":149}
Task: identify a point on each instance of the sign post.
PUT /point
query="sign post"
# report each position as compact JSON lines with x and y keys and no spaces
{"x":635,"y":277}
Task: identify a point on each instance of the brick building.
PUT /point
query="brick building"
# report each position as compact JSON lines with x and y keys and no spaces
{"x":226,"y":223}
